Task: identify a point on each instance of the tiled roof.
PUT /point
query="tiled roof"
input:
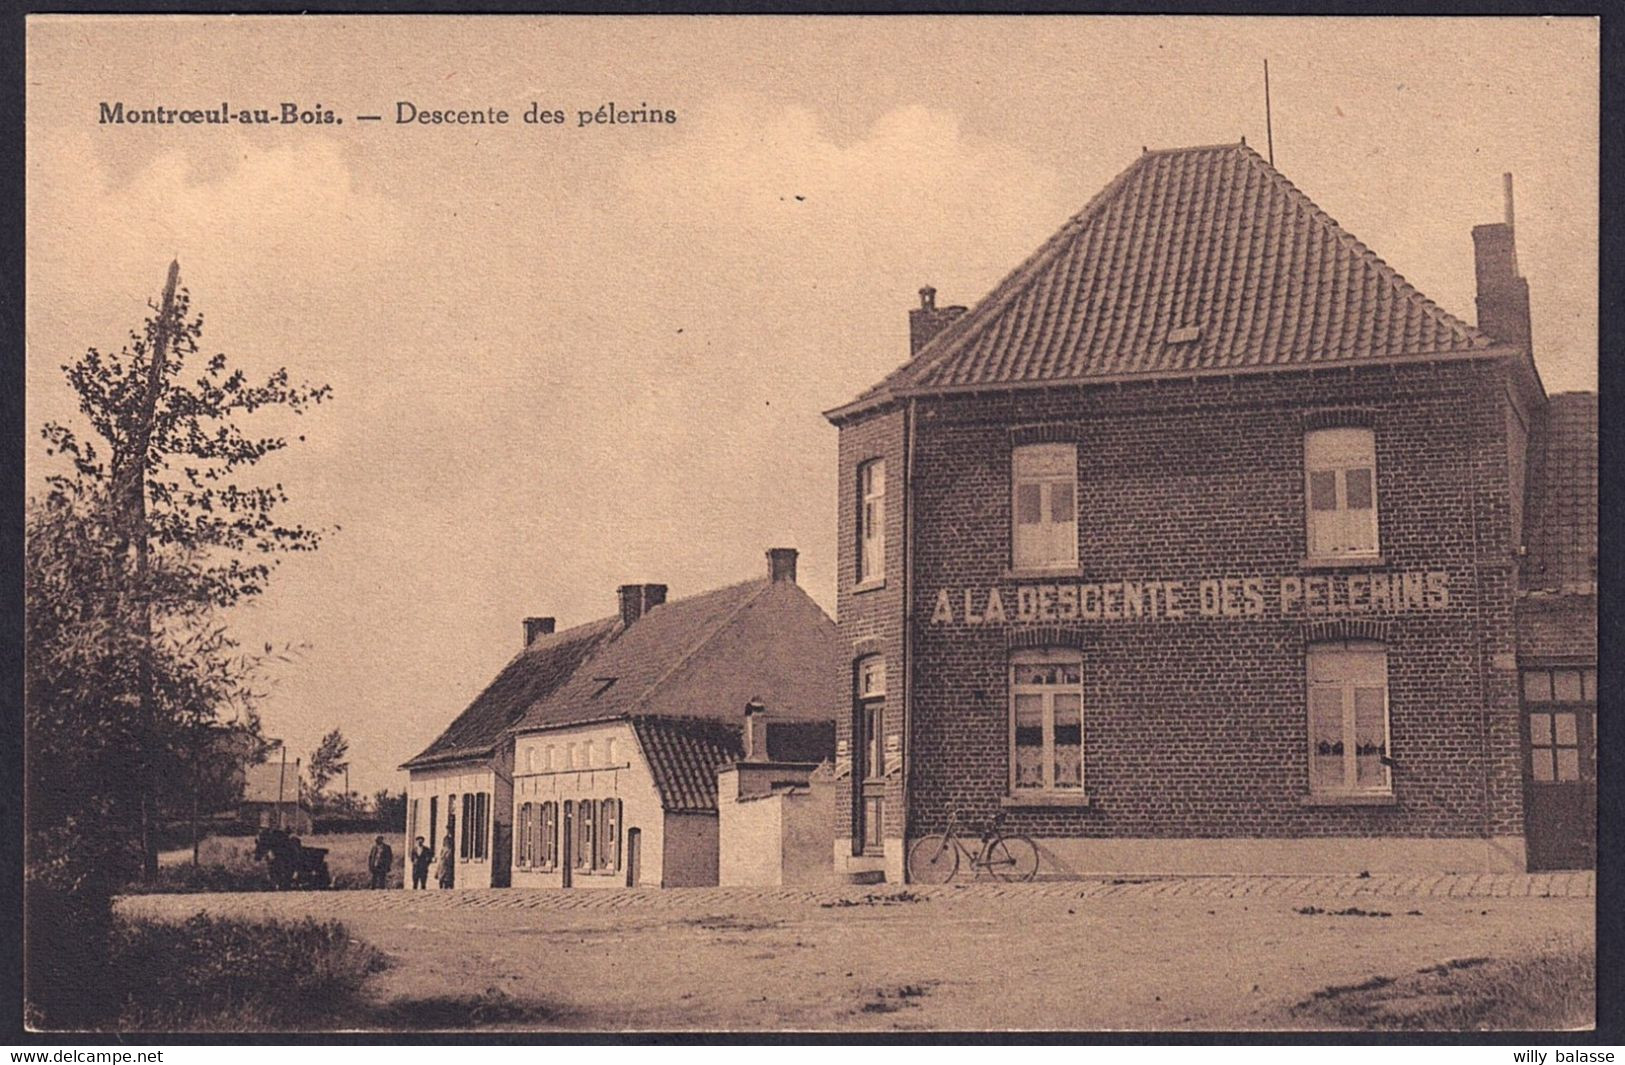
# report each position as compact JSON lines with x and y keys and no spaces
{"x":684,"y":755}
{"x":1210,"y":244}
{"x":706,"y":656}
{"x":533,"y":674}
{"x":1560,"y":511}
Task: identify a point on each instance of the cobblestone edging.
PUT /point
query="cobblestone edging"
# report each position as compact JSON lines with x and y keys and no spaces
{"x":340,"y":903}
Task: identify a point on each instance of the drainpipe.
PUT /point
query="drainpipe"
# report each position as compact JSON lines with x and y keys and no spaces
{"x":910,"y":417}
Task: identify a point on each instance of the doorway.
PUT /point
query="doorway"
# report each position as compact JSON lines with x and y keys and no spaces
{"x":634,"y":856}
{"x":568,"y":857}
{"x":1560,"y":766}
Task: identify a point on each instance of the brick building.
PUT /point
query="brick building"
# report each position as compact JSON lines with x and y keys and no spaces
{"x":1195,"y":546}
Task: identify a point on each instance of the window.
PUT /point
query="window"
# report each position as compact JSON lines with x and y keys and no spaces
{"x":869,"y":744}
{"x":1045,"y":505}
{"x":466,"y":845}
{"x":1561,"y":706}
{"x":872,"y":520}
{"x":1340,"y":471}
{"x":412,"y":824}
{"x":527,"y":814}
{"x":546,"y":848}
{"x":1046,"y":721}
{"x":607,"y":859}
{"x":1348,"y":718}
{"x":586,"y":816}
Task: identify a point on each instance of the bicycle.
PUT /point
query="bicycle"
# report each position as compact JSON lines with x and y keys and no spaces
{"x":935,"y":859}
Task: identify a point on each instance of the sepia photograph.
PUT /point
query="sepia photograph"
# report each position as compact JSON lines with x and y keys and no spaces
{"x":864,"y":525}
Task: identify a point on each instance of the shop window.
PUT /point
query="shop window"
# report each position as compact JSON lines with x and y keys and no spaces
{"x":1340,"y":471}
{"x":1046,"y":722}
{"x":1348,"y":718}
{"x":1045,"y":506}
{"x":871,"y":521}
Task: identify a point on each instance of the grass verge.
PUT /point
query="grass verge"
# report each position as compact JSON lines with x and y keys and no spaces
{"x":1556,"y":990}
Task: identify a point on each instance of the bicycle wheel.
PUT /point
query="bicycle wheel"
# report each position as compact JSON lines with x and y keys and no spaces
{"x":1012,"y":858}
{"x":933,"y":860}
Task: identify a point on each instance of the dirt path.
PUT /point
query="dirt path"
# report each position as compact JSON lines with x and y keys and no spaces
{"x":1031,"y":956}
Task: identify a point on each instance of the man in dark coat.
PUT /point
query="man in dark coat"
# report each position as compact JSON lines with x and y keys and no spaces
{"x":422,"y":858}
{"x":380,"y":861}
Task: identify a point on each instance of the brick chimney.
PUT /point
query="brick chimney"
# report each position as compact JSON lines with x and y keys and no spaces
{"x":638,"y":599}
{"x":755,"y":731}
{"x":536,"y":627}
{"x":1503,"y":296}
{"x":927,"y":320}
{"x":781,"y":564}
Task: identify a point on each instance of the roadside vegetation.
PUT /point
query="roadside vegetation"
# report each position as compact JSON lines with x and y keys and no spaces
{"x":1555,"y":990}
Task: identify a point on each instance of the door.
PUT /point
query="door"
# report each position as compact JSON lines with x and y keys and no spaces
{"x":1560,"y":766}
{"x":634,"y":851}
{"x":501,"y":854}
{"x":567,"y":856}
{"x":869,"y":758}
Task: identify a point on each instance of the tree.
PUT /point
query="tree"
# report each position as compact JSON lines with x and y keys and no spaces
{"x":389,"y":807}
{"x":328,"y":760}
{"x":133,"y":553}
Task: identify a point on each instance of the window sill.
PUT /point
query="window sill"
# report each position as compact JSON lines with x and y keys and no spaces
{"x":1350,"y":799}
{"x":868,"y":586}
{"x":1038,"y":573}
{"x":1344,"y":562}
{"x":1043,"y":799}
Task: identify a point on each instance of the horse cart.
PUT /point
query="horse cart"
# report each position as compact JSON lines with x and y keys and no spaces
{"x":292,"y":865}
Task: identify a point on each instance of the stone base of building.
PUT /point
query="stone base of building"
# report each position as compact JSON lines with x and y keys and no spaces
{"x":1061,"y":858}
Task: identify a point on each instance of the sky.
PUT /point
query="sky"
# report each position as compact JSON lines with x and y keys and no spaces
{"x":566,"y":358}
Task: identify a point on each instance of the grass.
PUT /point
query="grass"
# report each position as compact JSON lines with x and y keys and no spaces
{"x":210,"y":974}
{"x":1555,"y":990}
{"x":226,"y":863}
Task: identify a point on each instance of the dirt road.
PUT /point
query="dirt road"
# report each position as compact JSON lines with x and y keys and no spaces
{"x":1166,"y":954}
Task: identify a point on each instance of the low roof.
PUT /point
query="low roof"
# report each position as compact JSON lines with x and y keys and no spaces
{"x":1560,"y":510}
{"x":707,"y":656}
{"x":1191,"y":260}
{"x":683,"y":755}
{"x":533,"y":673}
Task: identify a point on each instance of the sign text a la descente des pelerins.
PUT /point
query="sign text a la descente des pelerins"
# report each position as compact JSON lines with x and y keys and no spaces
{"x":1217,"y":597}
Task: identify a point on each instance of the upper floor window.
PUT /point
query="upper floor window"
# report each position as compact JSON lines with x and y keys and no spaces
{"x":1340,"y":471}
{"x":1046,"y":721}
{"x":872,"y":520}
{"x":1045,"y":480}
{"x":1348,"y":718}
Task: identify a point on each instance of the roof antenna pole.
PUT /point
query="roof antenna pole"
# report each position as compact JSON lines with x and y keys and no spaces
{"x":1269,"y":132}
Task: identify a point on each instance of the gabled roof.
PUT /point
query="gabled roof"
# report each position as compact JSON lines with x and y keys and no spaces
{"x":707,"y":656}
{"x":1210,"y":243}
{"x":1560,"y":512}
{"x":533,"y":674}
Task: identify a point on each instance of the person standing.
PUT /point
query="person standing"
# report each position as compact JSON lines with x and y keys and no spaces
{"x":448,"y":863}
{"x":379,"y":862}
{"x":422,"y":858}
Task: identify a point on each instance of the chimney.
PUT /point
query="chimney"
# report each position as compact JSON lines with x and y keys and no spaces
{"x":1503,"y":296}
{"x":535,"y":627}
{"x":638,"y":599}
{"x":755,"y":731}
{"x":781,"y":564}
{"x":927,"y":320}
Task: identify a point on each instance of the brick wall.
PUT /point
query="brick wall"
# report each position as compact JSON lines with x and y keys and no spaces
{"x":1197,"y":727}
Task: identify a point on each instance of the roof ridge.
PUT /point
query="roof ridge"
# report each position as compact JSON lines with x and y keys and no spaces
{"x":1321,"y":216}
{"x":687,"y":656}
